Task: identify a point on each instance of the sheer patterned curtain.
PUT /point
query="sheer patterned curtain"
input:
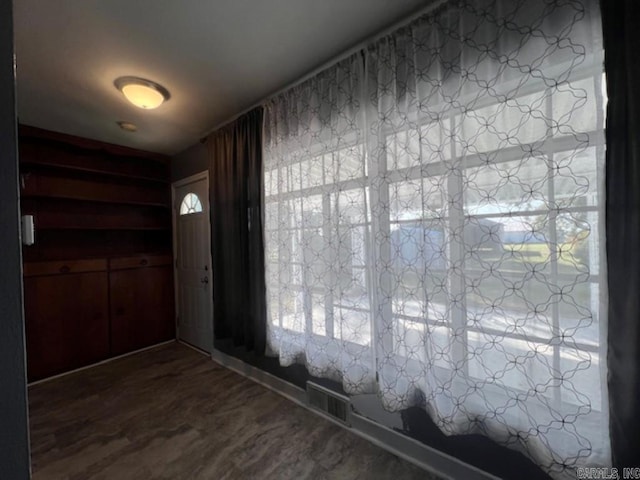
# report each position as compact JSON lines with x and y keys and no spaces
{"x":436,"y":219}
{"x":317,"y":227}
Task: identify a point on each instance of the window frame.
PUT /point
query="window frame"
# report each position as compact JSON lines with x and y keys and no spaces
{"x":378,"y":167}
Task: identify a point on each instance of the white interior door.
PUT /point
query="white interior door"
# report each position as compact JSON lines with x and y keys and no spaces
{"x":193,"y":261}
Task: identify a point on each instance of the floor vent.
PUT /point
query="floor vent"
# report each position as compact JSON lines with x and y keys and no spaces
{"x":328,"y":402}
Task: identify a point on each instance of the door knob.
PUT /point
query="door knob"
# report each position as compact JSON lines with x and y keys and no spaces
{"x":204,"y":280}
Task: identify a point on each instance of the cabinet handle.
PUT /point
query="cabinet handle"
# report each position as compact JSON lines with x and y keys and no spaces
{"x":65,"y":269}
{"x":144,"y":261}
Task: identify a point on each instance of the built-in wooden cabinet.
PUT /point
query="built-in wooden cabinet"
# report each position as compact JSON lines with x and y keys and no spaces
{"x":99,"y":278}
{"x":66,"y":315}
{"x":141,"y":300}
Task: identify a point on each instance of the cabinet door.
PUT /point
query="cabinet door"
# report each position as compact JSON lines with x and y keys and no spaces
{"x":142,"y":310}
{"x":67,"y":322}
{"x":159,"y":305}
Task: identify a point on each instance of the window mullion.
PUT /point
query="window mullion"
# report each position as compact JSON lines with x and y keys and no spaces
{"x":553,"y":256}
{"x":331,"y":274}
{"x":380,"y":278}
{"x":456,"y":258}
{"x":281,"y":248}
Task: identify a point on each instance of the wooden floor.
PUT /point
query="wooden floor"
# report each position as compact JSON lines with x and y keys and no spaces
{"x":172,"y":413}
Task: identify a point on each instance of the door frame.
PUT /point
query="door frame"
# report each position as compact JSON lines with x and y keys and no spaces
{"x":204,"y":175}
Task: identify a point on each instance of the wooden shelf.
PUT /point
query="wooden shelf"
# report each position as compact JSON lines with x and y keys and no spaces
{"x":89,"y":201}
{"x":65,"y":244}
{"x":101,"y":228}
{"x":44,"y":165}
{"x":83,"y":198}
{"x":45,"y":186}
{"x":99,"y":278}
{"x":32,"y":135}
{"x":64,"y":214}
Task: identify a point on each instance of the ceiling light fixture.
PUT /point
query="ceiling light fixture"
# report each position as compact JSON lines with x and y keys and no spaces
{"x":127,"y":126}
{"x":142,"y":93}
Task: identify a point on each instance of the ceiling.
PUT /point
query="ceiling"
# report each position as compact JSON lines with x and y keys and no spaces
{"x":216,"y":57}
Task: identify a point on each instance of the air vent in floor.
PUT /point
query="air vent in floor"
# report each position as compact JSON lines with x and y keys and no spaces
{"x":328,"y":402}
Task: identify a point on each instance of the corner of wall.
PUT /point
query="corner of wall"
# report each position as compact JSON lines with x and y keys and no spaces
{"x":14,"y":431}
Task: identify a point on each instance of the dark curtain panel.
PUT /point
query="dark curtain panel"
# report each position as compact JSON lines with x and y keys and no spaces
{"x":236,"y":232}
{"x":621,"y":19}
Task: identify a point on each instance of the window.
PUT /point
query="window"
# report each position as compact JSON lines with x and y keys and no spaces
{"x":498,"y":244}
{"x":432,"y":225}
{"x":325,"y":208}
{"x":190,"y":204}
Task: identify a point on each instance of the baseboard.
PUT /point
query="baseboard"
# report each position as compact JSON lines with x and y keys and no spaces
{"x":286,"y":389}
{"x":424,"y":456}
{"x":101,"y":362}
{"x":192,"y":347}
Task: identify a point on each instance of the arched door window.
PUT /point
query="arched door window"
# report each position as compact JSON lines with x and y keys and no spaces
{"x":190,"y":204}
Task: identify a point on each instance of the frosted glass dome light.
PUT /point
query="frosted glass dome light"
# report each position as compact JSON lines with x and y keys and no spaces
{"x":142,"y":93}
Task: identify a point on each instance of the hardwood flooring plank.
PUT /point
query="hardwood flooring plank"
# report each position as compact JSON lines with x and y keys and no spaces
{"x":171,"y":413}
